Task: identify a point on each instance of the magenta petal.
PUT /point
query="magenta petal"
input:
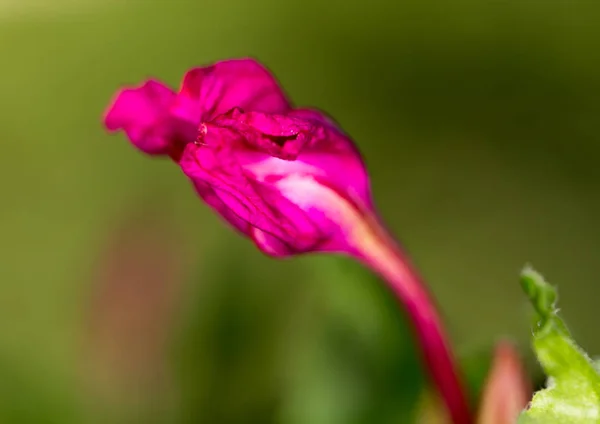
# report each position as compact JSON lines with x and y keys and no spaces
{"x":327,"y":155}
{"x":213,"y":90}
{"x":278,"y":135}
{"x":207,"y":193}
{"x":143,"y":113}
{"x":301,"y":233}
{"x":258,"y":204}
{"x":335,"y":155}
{"x":270,"y":244}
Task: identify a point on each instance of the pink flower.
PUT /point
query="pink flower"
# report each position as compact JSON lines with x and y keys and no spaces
{"x":249,"y":153}
{"x":288,"y":178}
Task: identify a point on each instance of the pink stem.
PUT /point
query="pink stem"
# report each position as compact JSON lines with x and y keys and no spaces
{"x":383,"y":255}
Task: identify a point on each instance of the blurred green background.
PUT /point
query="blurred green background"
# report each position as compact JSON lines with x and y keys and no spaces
{"x":124,"y":299}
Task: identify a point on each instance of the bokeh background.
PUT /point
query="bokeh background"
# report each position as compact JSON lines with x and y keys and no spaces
{"x":123,"y":299}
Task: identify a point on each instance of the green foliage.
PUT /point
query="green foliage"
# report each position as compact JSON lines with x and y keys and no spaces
{"x":572,"y":394}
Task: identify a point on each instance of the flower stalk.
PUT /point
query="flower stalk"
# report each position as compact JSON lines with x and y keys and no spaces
{"x":376,"y":248}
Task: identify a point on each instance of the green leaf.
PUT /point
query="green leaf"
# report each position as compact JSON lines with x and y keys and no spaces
{"x":572,"y":394}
